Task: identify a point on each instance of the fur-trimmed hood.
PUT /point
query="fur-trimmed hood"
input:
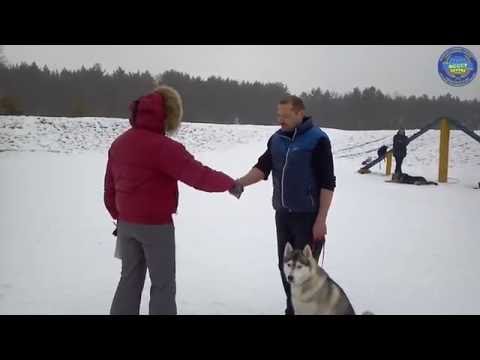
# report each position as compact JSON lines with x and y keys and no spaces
{"x":160,"y":111}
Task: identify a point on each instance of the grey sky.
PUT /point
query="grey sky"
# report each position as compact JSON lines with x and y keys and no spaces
{"x":406,"y":70}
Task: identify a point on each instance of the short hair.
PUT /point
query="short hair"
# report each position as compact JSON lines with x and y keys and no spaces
{"x":297,"y":103}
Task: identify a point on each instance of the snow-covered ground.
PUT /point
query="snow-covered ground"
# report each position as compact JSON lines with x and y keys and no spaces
{"x":395,"y":249}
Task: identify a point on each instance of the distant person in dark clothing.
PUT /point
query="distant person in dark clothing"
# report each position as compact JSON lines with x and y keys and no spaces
{"x":382,"y":151}
{"x":400,"y":142}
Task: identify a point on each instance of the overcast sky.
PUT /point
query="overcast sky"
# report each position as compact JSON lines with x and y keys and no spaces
{"x":406,"y":70}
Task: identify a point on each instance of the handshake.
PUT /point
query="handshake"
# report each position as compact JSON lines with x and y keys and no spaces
{"x":236,"y":189}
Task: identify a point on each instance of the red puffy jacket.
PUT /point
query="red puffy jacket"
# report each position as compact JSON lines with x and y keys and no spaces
{"x":144,"y":166}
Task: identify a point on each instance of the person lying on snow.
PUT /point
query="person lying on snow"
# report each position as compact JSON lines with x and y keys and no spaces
{"x":414,"y":180}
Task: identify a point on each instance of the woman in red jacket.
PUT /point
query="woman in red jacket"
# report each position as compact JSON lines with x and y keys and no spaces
{"x":141,"y":193}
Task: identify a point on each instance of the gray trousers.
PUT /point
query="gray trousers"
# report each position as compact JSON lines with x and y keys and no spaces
{"x":141,"y":247}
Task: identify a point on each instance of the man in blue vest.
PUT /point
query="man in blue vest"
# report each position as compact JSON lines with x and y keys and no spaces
{"x":299,"y":156}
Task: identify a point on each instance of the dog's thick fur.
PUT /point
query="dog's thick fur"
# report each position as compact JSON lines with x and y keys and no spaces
{"x":313,"y":291}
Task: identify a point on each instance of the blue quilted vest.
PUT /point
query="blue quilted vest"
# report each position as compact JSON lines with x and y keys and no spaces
{"x":294,"y":185}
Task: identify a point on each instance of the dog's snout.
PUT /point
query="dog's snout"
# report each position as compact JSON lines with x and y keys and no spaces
{"x":290,"y":278}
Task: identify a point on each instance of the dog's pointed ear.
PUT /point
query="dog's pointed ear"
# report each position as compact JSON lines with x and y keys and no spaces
{"x":307,"y":251}
{"x":288,"y":250}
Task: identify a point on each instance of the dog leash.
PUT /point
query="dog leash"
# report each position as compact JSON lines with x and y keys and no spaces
{"x":323,"y":251}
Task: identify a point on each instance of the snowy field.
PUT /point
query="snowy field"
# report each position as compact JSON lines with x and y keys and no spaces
{"x":395,"y":249}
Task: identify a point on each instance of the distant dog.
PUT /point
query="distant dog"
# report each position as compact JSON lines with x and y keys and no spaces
{"x":313,"y":291}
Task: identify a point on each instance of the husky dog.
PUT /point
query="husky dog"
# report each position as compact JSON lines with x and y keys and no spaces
{"x":313,"y":291}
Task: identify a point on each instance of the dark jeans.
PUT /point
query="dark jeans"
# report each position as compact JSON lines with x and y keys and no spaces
{"x":297,"y":229}
{"x":142,"y":247}
{"x":398,"y":165}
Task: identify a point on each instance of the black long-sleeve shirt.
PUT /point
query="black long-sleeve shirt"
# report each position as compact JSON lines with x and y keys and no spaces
{"x":400,"y":143}
{"x":322,"y":164}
